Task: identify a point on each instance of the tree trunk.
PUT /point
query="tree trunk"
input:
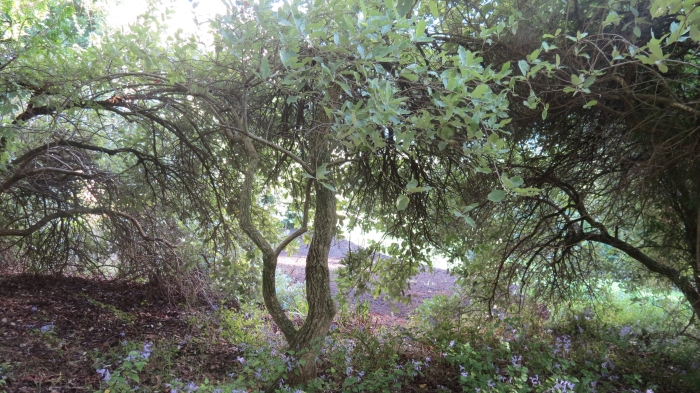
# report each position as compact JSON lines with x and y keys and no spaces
{"x":310,"y":337}
{"x":308,"y":340}
{"x":304,"y":343}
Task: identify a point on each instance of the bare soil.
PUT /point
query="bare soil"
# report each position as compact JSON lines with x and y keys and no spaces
{"x":53,"y":331}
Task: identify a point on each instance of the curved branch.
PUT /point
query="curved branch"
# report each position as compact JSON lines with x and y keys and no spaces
{"x":280,"y":149}
{"x":269,"y":257}
{"x":690,"y":293}
{"x":21,"y":175}
{"x":80,"y":211}
{"x":85,"y":146}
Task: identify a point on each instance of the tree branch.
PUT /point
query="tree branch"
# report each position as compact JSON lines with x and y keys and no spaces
{"x":80,"y":211}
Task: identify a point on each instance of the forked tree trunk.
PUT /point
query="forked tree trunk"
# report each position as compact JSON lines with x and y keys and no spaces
{"x":305,"y":343}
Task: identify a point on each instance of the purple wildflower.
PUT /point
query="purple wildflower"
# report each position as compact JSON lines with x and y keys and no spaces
{"x":146,"y":353}
{"x":104,"y":373}
{"x":563,"y":385}
{"x":416,"y":365}
{"x":625,"y":331}
{"x":516,"y":360}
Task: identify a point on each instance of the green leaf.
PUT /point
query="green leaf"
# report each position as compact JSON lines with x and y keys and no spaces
{"x":434,"y":9}
{"x":406,"y":73}
{"x":469,"y":221}
{"x":575,"y":79}
{"x":463,"y":56}
{"x":496,"y":195}
{"x":420,"y":28}
{"x":655,"y":49}
{"x":264,"y":68}
{"x":637,"y":31}
{"x":403,"y":7}
{"x":479,"y":91}
{"x":321,"y":172}
{"x":402,"y":202}
{"x":524,"y":67}
{"x":287,"y":56}
{"x":612,"y":17}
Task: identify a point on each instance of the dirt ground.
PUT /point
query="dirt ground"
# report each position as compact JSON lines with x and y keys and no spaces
{"x":54,"y":331}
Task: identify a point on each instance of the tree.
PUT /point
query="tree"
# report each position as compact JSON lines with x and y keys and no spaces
{"x":309,"y":98}
{"x":605,"y":125}
{"x":76,"y":184}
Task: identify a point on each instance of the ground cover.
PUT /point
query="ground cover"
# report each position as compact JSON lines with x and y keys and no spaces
{"x":75,"y":335}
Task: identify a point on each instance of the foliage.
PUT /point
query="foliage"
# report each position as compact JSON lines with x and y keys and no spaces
{"x":594,"y":345}
{"x":292,"y":295}
{"x":126,"y":377}
{"x":607,"y":148}
{"x":246,"y":325}
{"x":548,"y":153}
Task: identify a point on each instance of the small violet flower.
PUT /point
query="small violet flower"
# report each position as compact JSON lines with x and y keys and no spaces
{"x":104,"y":373}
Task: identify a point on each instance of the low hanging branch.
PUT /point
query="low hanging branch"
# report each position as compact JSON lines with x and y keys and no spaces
{"x":4,"y":232}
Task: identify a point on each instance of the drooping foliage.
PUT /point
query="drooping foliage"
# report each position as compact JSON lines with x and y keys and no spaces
{"x":605,"y":126}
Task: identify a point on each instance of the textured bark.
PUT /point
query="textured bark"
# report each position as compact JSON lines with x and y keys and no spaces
{"x":308,"y":340}
{"x":304,"y":343}
{"x":697,"y":251}
{"x":269,"y":256}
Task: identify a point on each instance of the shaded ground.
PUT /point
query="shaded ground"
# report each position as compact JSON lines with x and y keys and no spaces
{"x":54,"y":332}
{"x":424,"y":286}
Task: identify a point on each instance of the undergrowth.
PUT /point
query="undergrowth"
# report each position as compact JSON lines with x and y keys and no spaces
{"x":450,"y":345}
